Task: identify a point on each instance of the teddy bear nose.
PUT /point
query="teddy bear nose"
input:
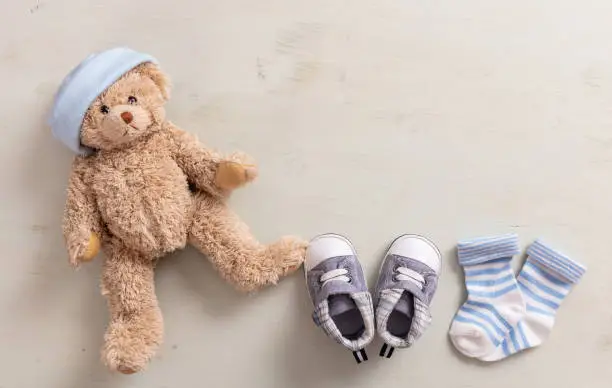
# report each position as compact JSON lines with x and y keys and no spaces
{"x":127,"y":117}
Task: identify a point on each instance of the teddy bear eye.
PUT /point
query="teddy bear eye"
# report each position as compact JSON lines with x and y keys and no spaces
{"x":132,"y":100}
{"x":104,"y":109}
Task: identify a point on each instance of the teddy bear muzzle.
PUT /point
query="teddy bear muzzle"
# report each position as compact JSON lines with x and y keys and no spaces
{"x":125,"y":123}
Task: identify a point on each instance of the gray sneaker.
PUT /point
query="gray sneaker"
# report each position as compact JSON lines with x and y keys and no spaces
{"x":407,"y":282}
{"x":337,"y":288}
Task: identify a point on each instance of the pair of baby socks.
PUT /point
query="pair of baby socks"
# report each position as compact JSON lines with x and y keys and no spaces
{"x":504,"y":314}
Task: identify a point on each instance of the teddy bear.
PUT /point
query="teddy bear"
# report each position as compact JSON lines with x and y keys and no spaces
{"x":140,"y":188}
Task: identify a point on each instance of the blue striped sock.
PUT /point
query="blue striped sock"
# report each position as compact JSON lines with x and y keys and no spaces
{"x":545,"y":280}
{"x":494,"y":303}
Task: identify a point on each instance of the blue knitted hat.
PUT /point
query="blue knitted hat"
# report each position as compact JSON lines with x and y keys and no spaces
{"x":83,"y":85}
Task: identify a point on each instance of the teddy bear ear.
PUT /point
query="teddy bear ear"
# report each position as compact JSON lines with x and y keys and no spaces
{"x":153,"y":71}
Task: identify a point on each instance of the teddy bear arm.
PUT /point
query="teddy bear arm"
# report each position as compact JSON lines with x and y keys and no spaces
{"x":197,"y":162}
{"x":81,"y":217}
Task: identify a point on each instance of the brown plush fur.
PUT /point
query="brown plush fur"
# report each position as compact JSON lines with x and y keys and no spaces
{"x":133,"y":193}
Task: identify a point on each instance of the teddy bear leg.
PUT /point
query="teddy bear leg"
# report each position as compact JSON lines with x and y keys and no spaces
{"x":240,"y":259}
{"x":136,"y":326}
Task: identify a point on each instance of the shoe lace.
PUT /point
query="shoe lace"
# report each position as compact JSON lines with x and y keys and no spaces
{"x":339,"y":274}
{"x":406,"y":274}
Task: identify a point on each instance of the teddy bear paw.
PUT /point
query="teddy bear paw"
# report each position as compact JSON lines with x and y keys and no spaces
{"x":231,"y":174}
{"x":129,"y":345}
{"x":290,"y":252}
{"x":247,"y":163}
{"x":82,"y":247}
{"x":126,"y":370}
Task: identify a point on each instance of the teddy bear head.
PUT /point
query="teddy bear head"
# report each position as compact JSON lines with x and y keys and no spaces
{"x":112,"y":99}
{"x":129,"y":110}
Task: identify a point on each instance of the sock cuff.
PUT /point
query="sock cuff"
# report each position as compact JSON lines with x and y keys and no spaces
{"x":483,"y":249}
{"x":555,"y":263}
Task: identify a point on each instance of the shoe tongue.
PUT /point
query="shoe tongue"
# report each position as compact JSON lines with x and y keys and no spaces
{"x":405,"y":304}
{"x":340,"y":303}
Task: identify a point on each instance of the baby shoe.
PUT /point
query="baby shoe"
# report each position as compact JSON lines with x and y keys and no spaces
{"x":406,"y":284}
{"x":342,"y":303}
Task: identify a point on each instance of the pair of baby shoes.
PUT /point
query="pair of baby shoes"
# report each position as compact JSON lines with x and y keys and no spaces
{"x":399,"y":309}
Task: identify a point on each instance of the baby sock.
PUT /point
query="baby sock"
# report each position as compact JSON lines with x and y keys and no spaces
{"x":494,"y":303}
{"x":545,"y":280}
